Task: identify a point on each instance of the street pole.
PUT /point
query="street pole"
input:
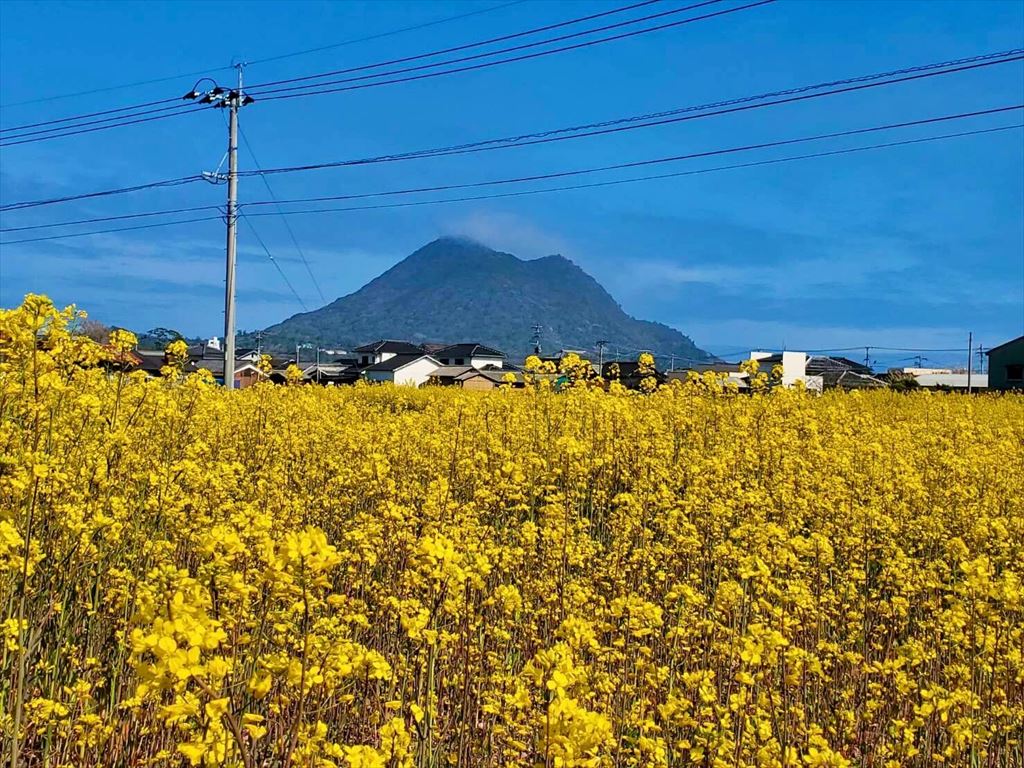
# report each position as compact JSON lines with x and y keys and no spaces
{"x":233,"y":102}
{"x":970,"y":356}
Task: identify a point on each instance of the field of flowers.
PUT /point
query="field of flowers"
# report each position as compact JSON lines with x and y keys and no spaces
{"x":379,"y":577}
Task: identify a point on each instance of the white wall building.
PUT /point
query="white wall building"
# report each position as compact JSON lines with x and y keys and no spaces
{"x":794,"y":367}
{"x":476,"y":355}
{"x":407,"y":370}
{"x":385,"y":349}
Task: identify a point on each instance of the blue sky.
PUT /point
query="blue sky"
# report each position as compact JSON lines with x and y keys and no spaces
{"x":904,"y":247}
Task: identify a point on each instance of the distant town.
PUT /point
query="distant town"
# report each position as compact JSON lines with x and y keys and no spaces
{"x":476,"y":366}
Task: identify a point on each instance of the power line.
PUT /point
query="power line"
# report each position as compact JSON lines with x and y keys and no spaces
{"x":273,"y":261}
{"x":629,"y":123}
{"x":463,"y":47}
{"x":678,"y":174}
{"x":288,"y":226}
{"x":102,"y":193}
{"x":658,"y":161}
{"x":73,"y":118}
{"x":111,"y":230}
{"x":177,"y":109}
{"x":380,"y":35}
{"x":141,"y":117}
{"x":176,"y":105}
{"x":524,"y":57}
{"x":265,"y":87}
{"x":123,"y":217}
{"x":71,"y":131}
{"x":775,"y":161}
{"x":197,"y":73}
{"x":682,"y":114}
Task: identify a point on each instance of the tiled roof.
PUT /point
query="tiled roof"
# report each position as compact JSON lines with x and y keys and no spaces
{"x":390,"y":345}
{"x":469,"y":350}
{"x":396,"y":362}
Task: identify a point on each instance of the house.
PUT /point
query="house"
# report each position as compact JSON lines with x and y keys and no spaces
{"x":410,"y":369}
{"x":731,"y":370}
{"x":842,"y":373}
{"x":627,"y":373}
{"x":476,"y":355}
{"x":1006,"y":365}
{"x":151,"y":360}
{"x":954,"y":382}
{"x":246,"y":374}
{"x":383,"y":350}
{"x":448,"y":375}
{"x":794,"y":368}
{"x":334,"y":373}
{"x":850,"y":380}
{"x":468,"y":377}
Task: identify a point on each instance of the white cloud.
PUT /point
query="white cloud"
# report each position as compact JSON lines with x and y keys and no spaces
{"x":510,"y":233}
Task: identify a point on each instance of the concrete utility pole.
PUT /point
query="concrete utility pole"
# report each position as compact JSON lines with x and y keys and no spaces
{"x":232,"y":100}
{"x":601,"y":344}
{"x":232,"y":244}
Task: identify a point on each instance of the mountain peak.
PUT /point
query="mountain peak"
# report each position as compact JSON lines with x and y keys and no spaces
{"x":456,"y":289}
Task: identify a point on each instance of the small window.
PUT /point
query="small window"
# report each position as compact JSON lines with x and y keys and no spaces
{"x":366,"y":360}
{"x":460,"y":361}
{"x":1015,"y":372}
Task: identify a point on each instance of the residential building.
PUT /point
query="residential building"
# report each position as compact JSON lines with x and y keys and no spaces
{"x":448,"y":375}
{"x":468,"y":377}
{"x":412,"y":369}
{"x":794,"y":368}
{"x":1006,"y":365}
{"x":842,"y":373}
{"x":955,"y":382}
{"x":246,"y":374}
{"x":476,"y":355}
{"x":151,"y":360}
{"x":627,"y":373}
{"x":732,"y":371}
{"x":333,"y":373}
{"x":383,"y":350}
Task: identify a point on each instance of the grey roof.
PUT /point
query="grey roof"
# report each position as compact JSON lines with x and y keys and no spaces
{"x":469,"y":350}
{"x":734,"y":377}
{"x":720,"y":367}
{"x":396,"y":362}
{"x":452,"y":371}
{"x":497,"y":375}
{"x":216,"y":365}
{"x":851,"y":379}
{"x":390,"y":345}
{"x":1005,"y":344}
{"x":821,"y":364}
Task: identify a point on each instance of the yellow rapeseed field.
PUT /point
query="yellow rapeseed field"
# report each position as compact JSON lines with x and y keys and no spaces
{"x":379,"y":577}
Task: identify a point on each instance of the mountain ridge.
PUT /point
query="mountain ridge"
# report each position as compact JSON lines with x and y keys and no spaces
{"x":455,"y":289}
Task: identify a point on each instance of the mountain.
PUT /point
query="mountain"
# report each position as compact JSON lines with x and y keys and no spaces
{"x":454,"y":290}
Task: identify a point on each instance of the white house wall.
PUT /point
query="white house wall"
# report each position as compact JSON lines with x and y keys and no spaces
{"x":416,"y":373}
{"x":483,"y":362}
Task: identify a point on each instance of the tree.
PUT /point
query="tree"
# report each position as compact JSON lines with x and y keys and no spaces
{"x":95,"y":330}
{"x":163,"y":336}
{"x":903,"y":382}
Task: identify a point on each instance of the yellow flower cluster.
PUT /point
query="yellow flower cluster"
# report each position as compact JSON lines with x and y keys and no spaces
{"x":378,"y":577}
